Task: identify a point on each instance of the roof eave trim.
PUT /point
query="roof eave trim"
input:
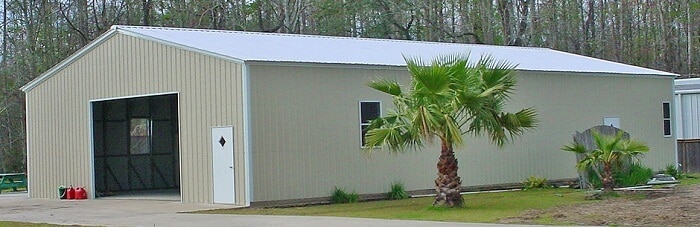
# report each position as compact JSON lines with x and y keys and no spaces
{"x":49,"y":73}
{"x":653,"y":72}
{"x":178,"y":45}
{"x":333,"y":64}
{"x":663,"y":74}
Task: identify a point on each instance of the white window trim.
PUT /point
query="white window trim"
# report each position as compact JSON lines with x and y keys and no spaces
{"x":359,"y":117}
{"x":670,"y":114}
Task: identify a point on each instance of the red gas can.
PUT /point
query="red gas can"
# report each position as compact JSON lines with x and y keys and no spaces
{"x":80,"y":193}
{"x":70,"y":193}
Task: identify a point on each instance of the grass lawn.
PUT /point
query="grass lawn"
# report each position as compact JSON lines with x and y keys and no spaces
{"x":481,"y":207}
{"x":692,"y":179}
{"x":10,"y":190}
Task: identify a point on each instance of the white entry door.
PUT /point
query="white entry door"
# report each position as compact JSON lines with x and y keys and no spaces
{"x":223,"y":170}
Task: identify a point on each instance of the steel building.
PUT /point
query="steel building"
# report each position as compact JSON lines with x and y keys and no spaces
{"x":242,"y":117}
{"x":687,"y":121}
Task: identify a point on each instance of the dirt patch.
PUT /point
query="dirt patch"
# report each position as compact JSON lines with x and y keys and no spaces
{"x":679,"y":207}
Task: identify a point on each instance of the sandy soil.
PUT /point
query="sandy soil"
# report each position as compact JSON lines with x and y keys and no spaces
{"x":679,"y":207}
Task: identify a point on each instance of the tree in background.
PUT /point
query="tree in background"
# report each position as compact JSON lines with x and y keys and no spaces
{"x":449,"y":98}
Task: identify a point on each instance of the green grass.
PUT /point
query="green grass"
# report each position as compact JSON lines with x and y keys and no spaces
{"x":691,"y":179}
{"x":482,"y":207}
{"x":10,"y":190}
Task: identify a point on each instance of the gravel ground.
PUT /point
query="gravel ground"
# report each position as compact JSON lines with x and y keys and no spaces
{"x":678,"y":207}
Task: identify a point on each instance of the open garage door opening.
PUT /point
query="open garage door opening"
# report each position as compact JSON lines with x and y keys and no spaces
{"x":136,"y":150}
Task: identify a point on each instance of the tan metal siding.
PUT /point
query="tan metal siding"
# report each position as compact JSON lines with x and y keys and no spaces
{"x":306,"y":135}
{"x":305,"y":124}
{"x":210,"y":94}
{"x":569,"y":103}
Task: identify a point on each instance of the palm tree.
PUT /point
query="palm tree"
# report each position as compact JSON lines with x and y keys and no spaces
{"x":449,"y":98}
{"x":611,"y":151}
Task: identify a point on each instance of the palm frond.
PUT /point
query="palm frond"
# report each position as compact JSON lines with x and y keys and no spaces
{"x":423,"y":120}
{"x":387,"y":86}
{"x":388,"y":137}
{"x":430,"y":79}
{"x":497,"y":73}
{"x":449,"y":97}
{"x":452,"y":131}
{"x":635,"y":146}
{"x":527,"y":118}
{"x":586,"y":163}
{"x":575,"y":147}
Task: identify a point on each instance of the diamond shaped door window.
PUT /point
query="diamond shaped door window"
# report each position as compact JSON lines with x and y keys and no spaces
{"x":222,"y":141}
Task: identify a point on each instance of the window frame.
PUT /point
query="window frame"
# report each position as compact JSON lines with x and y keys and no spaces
{"x":363,"y":124}
{"x":666,"y":118}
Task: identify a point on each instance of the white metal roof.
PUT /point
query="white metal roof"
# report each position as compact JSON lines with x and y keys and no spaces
{"x":691,"y":85}
{"x":275,"y":47}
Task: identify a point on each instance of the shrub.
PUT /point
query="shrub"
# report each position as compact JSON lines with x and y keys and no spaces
{"x":340,"y":196}
{"x":535,"y":182}
{"x":397,"y":191}
{"x":672,"y":170}
{"x":635,"y":174}
{"x":632,"y":175}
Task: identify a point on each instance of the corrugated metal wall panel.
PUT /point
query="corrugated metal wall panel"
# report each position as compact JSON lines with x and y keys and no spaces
{"x":59,"y":123}
{"x":306,"y":130}
{"x":689,"y":116}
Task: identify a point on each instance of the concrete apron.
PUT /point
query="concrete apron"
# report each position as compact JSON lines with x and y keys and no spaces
{"x":106,"y":212}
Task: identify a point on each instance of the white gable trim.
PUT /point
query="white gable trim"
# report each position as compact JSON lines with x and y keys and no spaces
{"x":178,"y":45}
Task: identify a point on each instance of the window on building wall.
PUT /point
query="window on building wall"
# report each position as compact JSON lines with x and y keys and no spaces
{"x":140,"y":132}
{"x":667,"y":118}
{"x":369,"y":110}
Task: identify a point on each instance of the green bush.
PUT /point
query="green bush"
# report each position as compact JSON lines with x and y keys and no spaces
{"x":635,"y":174}
{"x":632,"y":175}
{"x":397,"y":191}
{"x":594,"y":180}
{"x":340,"y":196}
{"x":672,"y":170}
{"x":535,"y":182}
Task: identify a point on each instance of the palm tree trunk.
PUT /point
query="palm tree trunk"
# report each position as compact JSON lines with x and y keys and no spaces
{"x":448,"y":185}
{"x":608,"y":180}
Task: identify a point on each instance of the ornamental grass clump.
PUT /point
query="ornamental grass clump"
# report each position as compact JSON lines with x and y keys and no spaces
{"x":340,"y":196}
{"x":533,"y":182}
{"x":398,"y":191}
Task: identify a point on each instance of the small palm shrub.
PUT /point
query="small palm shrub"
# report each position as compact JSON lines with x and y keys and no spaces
{"x":635,"y":174}
{"x":340,"y":196}
{"x":612,"y":151}
{"x":535,"y":182}
{"x":632,"y":175}
{"x":397,"y":191}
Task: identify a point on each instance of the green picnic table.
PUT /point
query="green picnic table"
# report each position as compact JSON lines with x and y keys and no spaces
{"x":13,"y":181}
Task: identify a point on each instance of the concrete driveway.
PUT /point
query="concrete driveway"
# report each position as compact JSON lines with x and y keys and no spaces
{"x":106,"y":212}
